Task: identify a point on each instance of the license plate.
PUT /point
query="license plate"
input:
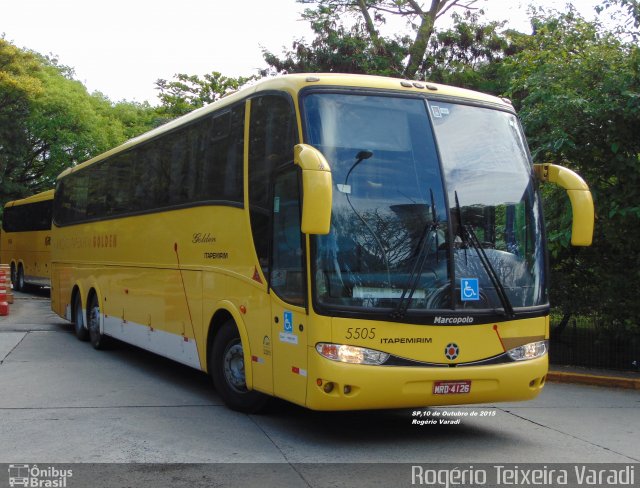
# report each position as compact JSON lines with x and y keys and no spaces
{"x":451,"y":387}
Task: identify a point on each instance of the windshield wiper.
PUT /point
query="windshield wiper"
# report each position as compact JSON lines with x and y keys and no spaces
{"x":468,"y":236}
{"x":424,"y":245}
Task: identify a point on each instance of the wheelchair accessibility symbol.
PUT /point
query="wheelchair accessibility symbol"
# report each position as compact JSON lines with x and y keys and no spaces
{"x":469,"y":289}
{"x":288,"y":321}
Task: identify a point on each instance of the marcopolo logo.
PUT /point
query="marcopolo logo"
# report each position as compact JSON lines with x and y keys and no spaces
{"x":34,"y":476}
{"x":453,"y":320}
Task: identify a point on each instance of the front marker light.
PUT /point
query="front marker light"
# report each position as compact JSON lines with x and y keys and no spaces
{"x":351,"y":354}
{"x":529,"y":351}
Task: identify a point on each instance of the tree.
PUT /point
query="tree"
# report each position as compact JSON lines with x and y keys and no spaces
{"x":134,"y":118}
{"x":577,"y":90}
{"x":19,"y":83}
{"x":49,"y":122}
{"x":188,"y":92}
{"x":63,"y":127}
{"x":359,"y":47}
{"x":340,"y":49}
{"x":470,"y":53}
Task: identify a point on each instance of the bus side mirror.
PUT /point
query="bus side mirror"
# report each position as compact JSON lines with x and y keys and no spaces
{"x":316,"y":189}
{"x":580,"y":197}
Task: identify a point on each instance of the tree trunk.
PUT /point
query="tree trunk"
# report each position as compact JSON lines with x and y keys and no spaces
{"x":419,"y":46}
{"x":373,"y":33}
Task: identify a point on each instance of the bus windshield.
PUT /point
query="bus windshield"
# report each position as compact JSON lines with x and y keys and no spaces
{"x":434,"y":208}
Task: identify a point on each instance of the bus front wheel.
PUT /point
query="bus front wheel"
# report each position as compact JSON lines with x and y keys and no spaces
{"x":227,"y":371}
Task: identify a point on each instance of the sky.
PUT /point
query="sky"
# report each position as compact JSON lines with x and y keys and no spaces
{"x":121,"y":47}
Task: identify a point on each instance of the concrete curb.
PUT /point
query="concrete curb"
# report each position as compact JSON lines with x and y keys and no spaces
{"x":595,"y":380}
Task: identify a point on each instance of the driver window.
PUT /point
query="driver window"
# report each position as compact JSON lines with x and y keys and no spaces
{"x":287,"y":274}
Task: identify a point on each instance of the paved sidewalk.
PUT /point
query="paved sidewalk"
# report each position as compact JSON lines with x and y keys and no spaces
{"x":596,"y":377}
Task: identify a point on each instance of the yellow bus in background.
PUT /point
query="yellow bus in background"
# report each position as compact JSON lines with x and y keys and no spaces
{"x":26,"y":239}
{"x":339,"y":241}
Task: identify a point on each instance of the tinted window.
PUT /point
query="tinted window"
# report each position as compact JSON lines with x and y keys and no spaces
{"x":29,"y":217}
{"x":222,"y":158}
{"x":201,"y":162}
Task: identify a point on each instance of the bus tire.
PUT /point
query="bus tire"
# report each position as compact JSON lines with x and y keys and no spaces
{"x":19,"y":284}
{"x":78,"y":320}
{"x":14,"y":276}
{"x":227,"y":372}
{"x":97,"y":339}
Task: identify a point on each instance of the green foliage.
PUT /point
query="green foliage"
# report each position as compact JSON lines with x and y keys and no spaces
{"x":470,"y":53}
{"x":339,"y":49}
{"x":63,"y":128}
{"x":348,"y":38}
{"x":577,"y":88}
{"x":49,"y":122}
{"x":188,"y":92}
{"x":130,"y":118}
{"x":19,"y":83}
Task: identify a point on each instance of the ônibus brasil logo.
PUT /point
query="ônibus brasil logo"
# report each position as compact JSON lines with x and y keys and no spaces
{"x":33,"y":476}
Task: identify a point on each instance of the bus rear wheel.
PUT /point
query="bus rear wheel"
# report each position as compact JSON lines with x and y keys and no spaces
{"x":98,"y":340}
{"x":19,"y":283}
{"x":228,"y":372}
{"x":78,"y":320}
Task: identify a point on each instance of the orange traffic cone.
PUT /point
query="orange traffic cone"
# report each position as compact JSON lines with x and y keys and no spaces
{"x":7,"y":280}
{"x":4,"y":306}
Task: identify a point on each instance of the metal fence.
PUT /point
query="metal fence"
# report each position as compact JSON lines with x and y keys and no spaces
{"x":587,"y":342}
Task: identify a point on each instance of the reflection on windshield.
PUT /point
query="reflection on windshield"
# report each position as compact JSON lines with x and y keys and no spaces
{"x":488,"y":176}
{"x":381,"y":210}
{"x":390,"y":211}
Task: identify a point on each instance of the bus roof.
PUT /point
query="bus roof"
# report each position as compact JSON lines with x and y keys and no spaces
{"x":293,"y":84}
{"x":38,"y":197}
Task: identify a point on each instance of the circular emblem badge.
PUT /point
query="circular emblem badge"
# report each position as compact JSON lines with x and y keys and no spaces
{"x":451,"y":351}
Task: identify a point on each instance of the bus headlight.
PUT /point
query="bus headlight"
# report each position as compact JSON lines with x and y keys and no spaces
{"x":351,"y":354}
{"x":529,"y":351}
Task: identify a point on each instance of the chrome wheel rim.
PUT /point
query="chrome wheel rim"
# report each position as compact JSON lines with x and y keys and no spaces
{"x":234,"y":367}
{"x":79,"y":319}
{"x":94,"y":321}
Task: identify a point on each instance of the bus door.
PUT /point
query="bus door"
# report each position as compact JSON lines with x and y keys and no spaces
{"x":288,"y":290}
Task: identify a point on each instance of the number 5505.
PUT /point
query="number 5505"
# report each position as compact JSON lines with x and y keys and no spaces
{"x":360,"y":333}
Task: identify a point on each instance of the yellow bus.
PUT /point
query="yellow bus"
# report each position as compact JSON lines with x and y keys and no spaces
{"x":342,"y":242}
{"x":26,"y":239}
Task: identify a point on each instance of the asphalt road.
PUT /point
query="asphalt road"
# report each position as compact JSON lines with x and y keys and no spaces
{"x":63,"y":402}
